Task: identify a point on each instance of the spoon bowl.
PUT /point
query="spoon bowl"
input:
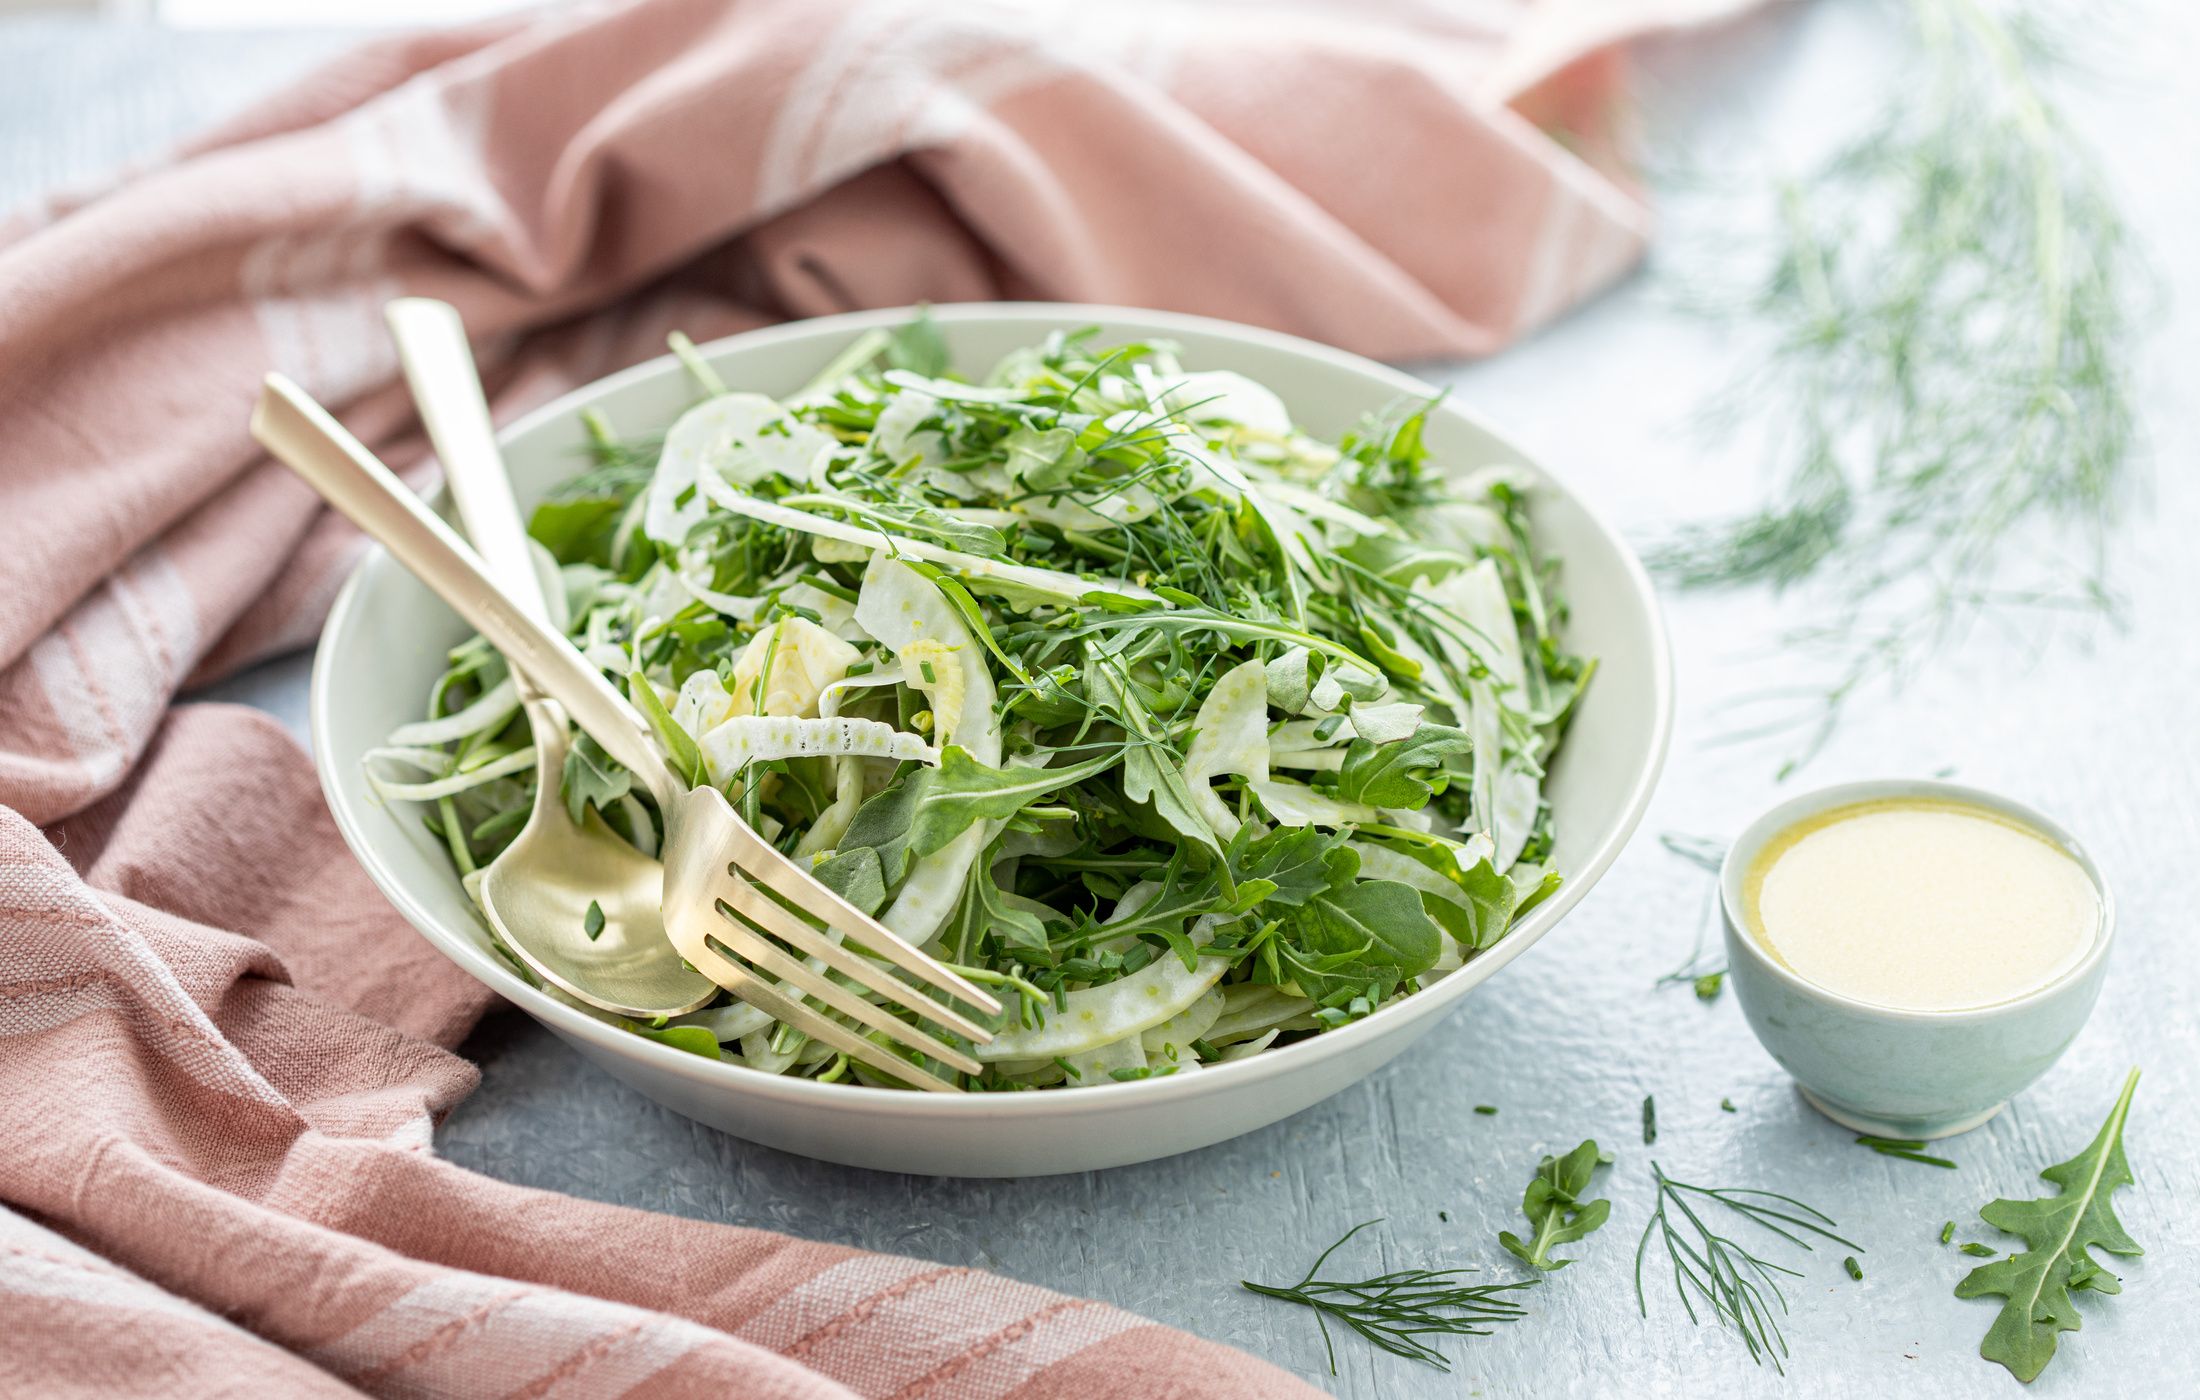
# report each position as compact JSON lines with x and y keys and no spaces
{"x":539,"y":891}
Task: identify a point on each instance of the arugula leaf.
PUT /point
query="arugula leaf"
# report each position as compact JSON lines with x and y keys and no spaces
{"x":1555,"y":1208}
{"x":1040,"y":459}
{"x":685,"y":755}
{"x":949,"y":798}
{"x":693,"y":1039}
{"x":1368,"y":936}
{"x":1151,"y":773}
{"x":1401,"y":560}
{"x":2061,"y":1230}
{"x":1300,"y":861}
{"x":592,"y":778}
{"x":981,"y":911}
{"x":1488,"y":911}
{"x":858,"y":875}
{"x":578,"y":531}
{"x":929,"y":808}
{"x":1397,"y":774}
{"x":917,"y":346}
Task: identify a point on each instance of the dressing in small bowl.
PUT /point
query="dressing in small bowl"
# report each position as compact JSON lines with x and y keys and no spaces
{"x":1913,"y":952}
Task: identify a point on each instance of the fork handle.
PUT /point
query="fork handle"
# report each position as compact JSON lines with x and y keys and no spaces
{"x":305,"y":438}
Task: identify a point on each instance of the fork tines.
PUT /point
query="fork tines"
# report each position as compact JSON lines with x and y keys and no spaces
{"x":741,"y":922}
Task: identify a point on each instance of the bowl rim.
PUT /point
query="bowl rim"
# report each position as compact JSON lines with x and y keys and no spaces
{"x":795,"y":1092}
{"x":1742,"y":853}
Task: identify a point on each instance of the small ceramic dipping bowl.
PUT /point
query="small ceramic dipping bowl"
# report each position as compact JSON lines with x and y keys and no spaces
{"x":1893,"y":1072}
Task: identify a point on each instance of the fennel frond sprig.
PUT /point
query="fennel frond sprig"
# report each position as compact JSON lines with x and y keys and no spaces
{"x":1397,"y":1310}
{"x":1943,"y":378}
{"x":1726,"y":1274}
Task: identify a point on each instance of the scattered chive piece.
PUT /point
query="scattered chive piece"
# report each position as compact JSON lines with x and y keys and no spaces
{"x":592,"y":921}
{"x":1444,"y":1215}
{"x":1487,"y":1110}
{"x":1727,"y":1106}
{"x":1908,"y":1149}
{"x":1069,"y":1069}
{"x":1947,"y":1232}
{"x":1649,"y":1119}
{"x":1856,"y":1270}
{"x":1977,"y":1250}
{"x":929,"y":677}
{"x":1707,"y":986}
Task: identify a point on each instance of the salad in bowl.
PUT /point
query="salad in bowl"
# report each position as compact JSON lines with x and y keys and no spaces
{"x":1188,"y":732}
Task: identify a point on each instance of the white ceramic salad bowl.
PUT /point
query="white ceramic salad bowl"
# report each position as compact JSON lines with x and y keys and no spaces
{"x":385,"y":644}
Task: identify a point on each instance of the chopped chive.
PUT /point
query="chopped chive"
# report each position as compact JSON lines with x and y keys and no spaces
{"x":829,"y":586}
{"x":1649,"y":1119}
{"x":1947,"y":1232}
{"x":1905,"y":1148}
{"x":926,"y":668}
{"x":592,"y":921}
{"x":1487,"y":1110}
{"x":1856,"y":1270}
{"x":1727,"y":1106}
{"x":1977,"y":1250}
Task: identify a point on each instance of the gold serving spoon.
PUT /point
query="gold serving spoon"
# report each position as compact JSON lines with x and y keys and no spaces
{"x":539,"y":892}
{"x":734,"y":906}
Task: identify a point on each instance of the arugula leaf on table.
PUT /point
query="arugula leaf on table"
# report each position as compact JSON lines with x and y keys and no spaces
{"x":1554,"y":1206}
{"x":2061,"y":1230}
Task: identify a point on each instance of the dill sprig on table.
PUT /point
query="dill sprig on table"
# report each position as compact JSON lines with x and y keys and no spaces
{"x":1943,"y":380}
{"x":1706,"y":974}
{"x":1396,"y":1310}
{"x":1728,"y":1275}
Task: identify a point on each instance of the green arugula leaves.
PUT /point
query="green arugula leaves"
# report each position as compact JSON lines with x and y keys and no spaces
{"x":1556,"y":1209}
{"x":2061,"y":1230}
{"x":1403,"y":773}
{"x":1361,"y":938}
{"x":929,"y":808}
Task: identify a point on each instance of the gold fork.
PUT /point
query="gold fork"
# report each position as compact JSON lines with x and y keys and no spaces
{"x":724,"y":885}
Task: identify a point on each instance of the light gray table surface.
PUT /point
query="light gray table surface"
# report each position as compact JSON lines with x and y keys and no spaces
{"x":2095,"y":724}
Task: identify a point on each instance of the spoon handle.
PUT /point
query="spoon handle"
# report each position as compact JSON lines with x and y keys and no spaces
{"x":446,"y":387}
{"x":306,"y":439}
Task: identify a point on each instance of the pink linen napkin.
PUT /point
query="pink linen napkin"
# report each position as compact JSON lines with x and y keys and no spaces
{"x":221,"y":1053}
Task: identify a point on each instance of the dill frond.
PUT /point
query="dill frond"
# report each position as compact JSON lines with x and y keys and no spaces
{"x":1396,"y":1310}
{"x":1944,"y":384}
{"x":1725,"y":1273}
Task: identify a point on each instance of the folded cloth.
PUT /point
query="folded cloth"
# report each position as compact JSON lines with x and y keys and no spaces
{"x":221,"y":1053}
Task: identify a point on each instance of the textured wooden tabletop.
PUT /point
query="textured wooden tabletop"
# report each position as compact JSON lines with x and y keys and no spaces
{"x":2096,"y":725}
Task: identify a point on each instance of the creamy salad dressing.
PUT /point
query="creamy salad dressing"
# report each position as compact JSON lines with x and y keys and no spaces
{"x":1921,"y":904}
